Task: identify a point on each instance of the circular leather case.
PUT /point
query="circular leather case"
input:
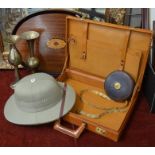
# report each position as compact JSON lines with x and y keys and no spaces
{"x":119,"y":85}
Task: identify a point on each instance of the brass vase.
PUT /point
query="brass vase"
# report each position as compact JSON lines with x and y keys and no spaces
{"x":30,"y":37}
{"x":14,"y":57}
{"x":33,"y":63}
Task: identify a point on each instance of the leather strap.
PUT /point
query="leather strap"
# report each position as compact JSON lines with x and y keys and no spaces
{"x":63,"y":101}
{"x":124,"y":50}
{"x":84,"y":42}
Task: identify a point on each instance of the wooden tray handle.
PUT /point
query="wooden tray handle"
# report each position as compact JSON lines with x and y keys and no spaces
{"x":73,"y":133}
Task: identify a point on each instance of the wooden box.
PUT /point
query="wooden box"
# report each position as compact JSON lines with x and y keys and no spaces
{"x":94,"y":50}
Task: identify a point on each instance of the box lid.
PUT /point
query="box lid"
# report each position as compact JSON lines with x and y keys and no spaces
{"x":99,"y":48}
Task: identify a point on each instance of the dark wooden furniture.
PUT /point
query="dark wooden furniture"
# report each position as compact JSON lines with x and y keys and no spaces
{"x":149,"y":80}
{"x":1,"y":43}
{"x":137,"y":17}
{"x":134,"y":17}
{"x":94,"y":13}
{"x":50,"y":24}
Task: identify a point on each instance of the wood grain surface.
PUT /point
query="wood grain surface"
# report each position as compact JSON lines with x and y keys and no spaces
{"x":50,"y":24}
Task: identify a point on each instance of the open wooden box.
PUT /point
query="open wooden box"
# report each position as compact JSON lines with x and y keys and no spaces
{"x":94,"y":50}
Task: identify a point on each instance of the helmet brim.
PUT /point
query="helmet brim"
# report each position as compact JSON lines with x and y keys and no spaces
{"x":17,"y":116}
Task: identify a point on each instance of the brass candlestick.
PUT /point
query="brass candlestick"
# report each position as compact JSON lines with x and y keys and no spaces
{"x":30,"y":37}
{"x":14,"y":57}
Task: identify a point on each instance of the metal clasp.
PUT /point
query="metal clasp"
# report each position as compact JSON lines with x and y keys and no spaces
{"x":71,"y":39}
{"x":100,"y":131}
{"x":83,"y":56}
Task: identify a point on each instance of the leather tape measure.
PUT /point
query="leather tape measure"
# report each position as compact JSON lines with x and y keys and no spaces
{"x":119,"y":85}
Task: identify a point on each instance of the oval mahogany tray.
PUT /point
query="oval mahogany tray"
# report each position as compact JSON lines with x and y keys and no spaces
{"x":50,"y":24}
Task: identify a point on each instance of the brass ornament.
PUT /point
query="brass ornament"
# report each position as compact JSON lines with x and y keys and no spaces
{"x":117,"y":85}
{"x":12,"y":39}
{"x":14,"y":57}
{"x":30,"y":37}
{"x":56,"y":43}
{"x":33,"y":62}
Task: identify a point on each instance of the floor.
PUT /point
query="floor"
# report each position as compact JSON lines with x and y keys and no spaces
{"x":140,"y":130}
